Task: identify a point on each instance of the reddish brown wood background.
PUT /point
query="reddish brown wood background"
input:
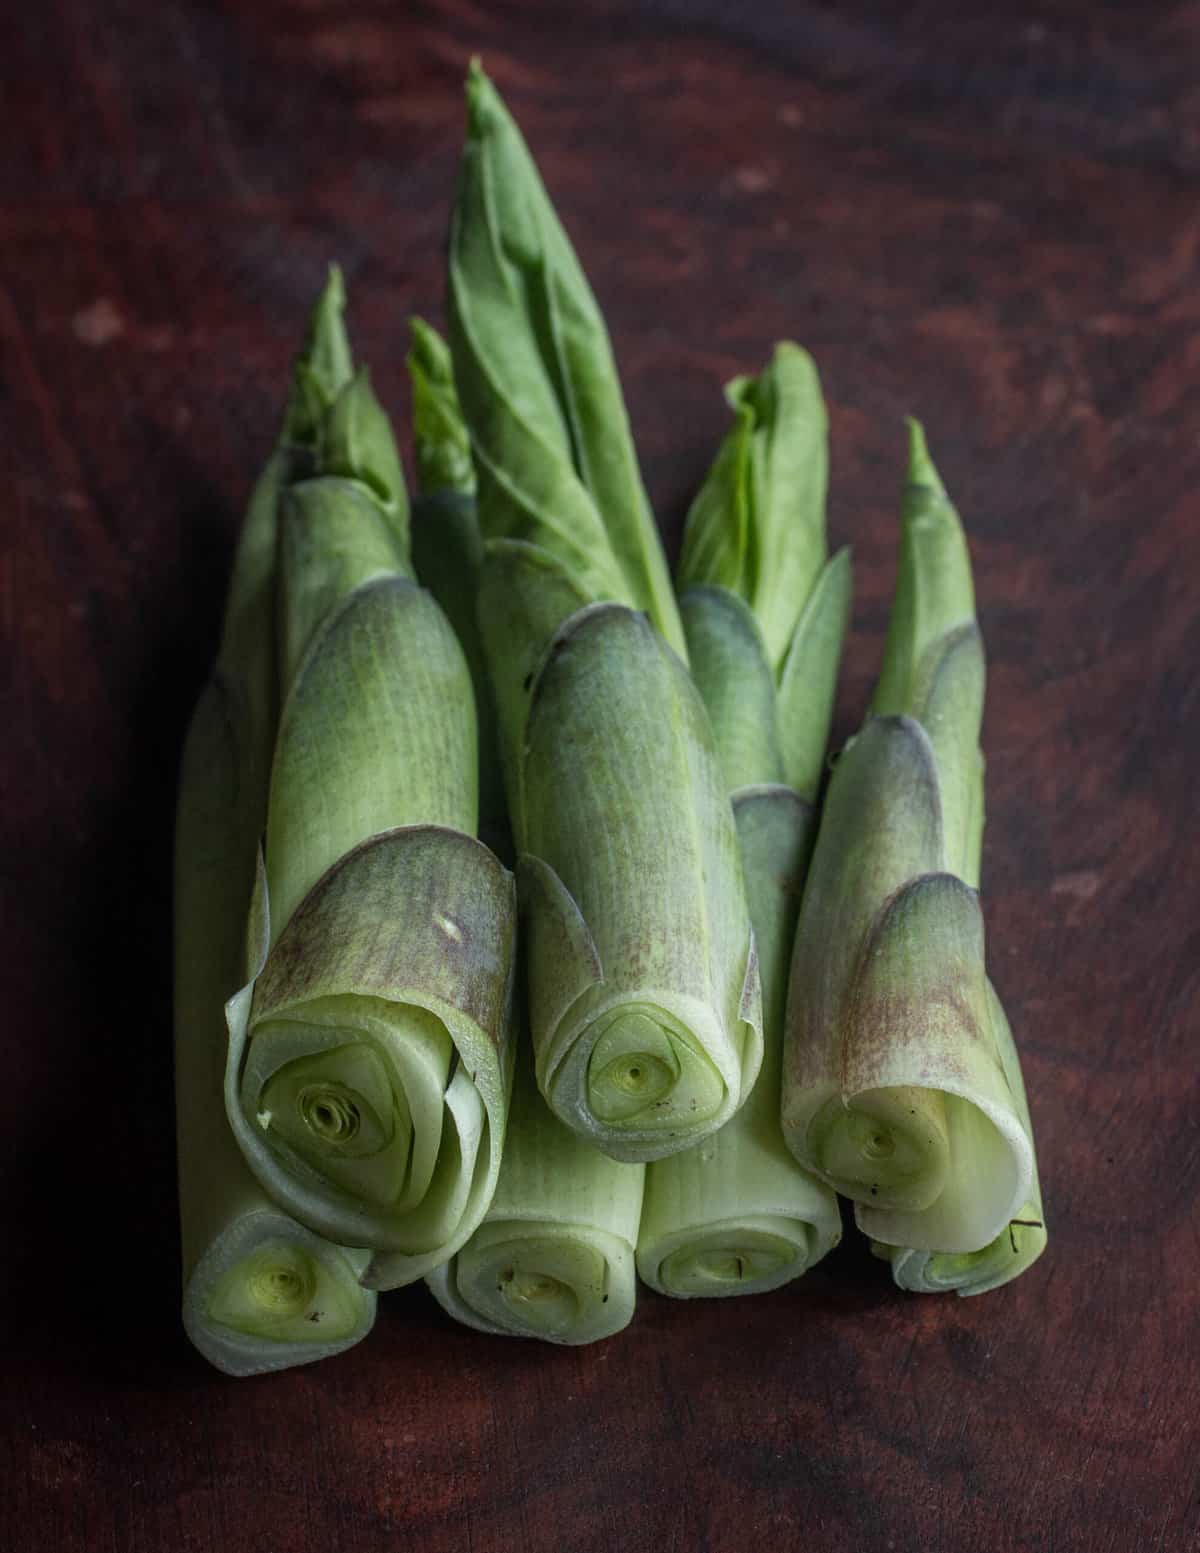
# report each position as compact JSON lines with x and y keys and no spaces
{"x":990,"y":222}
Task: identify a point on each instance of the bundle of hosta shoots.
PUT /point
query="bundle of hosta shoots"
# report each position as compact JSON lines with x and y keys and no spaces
{"x":372,"y":1087}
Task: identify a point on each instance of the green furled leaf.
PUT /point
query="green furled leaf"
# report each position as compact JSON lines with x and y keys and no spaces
{"x":789,"y":473}
{"x":557,"y":938}
{"x":758,"y":525}
{"x":448,"y":549}
{"x":729,"y":665}
{"x":440,"y":437}
{"x":717,"y":537}
{"x":934,"y":591}
{"x":808,"y":679}
{"x":537,"y":380}
{"x":334,"y":539}
{"x":247,"y":664}
{"x":881,"y":826}
{"x":523,"y":594}
{"x":625,"y":803}
{"x":322,"y":369}
{"x":950,"y":708}
{"x":356,"y":442}
{"x":377,"y":731}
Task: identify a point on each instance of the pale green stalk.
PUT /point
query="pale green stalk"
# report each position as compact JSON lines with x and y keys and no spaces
{"x":369,"y":1058}
{"x":260,"y":1292}
{"x":554,"y":1258}
{"x":735,"y":1214}
{"x":643,"y":988}
{"x":895,"y":1088}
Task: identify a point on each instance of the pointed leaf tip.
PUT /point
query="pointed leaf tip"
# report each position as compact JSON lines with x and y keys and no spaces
{"x":483,"y":100}
{"x":326,"y":331}
{"x":335,"y":287}
{"x":921,"y":468}
{"x":323,"y":367}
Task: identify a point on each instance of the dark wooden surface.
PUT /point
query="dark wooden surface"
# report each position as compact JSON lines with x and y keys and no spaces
{"x":990,"y":222}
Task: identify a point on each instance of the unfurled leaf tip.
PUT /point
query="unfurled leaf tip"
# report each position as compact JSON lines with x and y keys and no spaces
{"x":790,"y":356}
{"x":429,"y":353}
{"x":739,"y":394}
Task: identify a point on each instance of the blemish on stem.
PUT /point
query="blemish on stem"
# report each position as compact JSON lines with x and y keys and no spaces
{"x":449,"y":927}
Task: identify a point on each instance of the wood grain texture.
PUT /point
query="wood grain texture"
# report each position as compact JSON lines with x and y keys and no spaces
{"x":987,"y":218}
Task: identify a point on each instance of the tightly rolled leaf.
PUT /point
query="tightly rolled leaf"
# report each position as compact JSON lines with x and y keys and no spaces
{"x":1015,"y":1249}
{"x":736,"y":1214}
{"x":643,"y":982}
{"x":895,"y":1088}
{"x":643,"y":989}
{"x":369,"y":1062}
{"x":260,"y":1292}
{"x":554,"y":1258}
